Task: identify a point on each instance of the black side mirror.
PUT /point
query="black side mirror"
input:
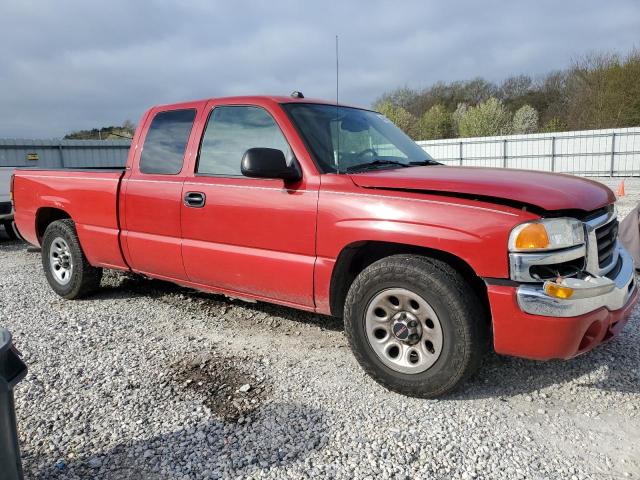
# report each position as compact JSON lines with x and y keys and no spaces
{"x":268,"y":163}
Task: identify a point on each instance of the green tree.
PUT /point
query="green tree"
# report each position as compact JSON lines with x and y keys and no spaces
{"x":129,"y":127}
{"x":486,"y":119}
{"x":605,"y":91}
{"x":554,"y":124}
{"x":436,"y":123}
{"x":525,"y":120}
{"x":404,"y":120}
{"x":457,"y":115}
{"x":597,"y":91}
{"x":404,"y":97}
{"x":126,"y":130}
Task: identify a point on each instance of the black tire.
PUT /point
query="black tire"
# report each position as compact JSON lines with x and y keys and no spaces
{"x":8,"y":229}
{"x":461,"y":316}
{"x":84,"y":278}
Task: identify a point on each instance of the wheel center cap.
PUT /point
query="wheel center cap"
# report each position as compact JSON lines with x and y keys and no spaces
{"x":406,"y":327}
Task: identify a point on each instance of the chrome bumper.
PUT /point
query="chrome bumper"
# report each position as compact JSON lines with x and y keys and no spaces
{"x":532,"y":298}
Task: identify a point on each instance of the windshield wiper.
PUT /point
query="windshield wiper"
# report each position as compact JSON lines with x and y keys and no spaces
{"x":424,"y":163}
{"x":375,"y":164}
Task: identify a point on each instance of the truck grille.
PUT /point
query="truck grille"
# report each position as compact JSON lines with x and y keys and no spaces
{"x":606,"y":236}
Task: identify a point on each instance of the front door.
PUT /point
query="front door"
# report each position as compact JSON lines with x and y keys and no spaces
{"x":247,"y":235}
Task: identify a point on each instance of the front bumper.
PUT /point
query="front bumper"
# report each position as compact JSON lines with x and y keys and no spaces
{"x":529,"y":323}
{"x":532,"y":298}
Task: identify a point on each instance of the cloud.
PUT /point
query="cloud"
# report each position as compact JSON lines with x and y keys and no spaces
{"x":75,"y":64}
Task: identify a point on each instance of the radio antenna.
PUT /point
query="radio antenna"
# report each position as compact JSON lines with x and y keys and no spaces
{"x":337,"y":72}
{"x":337,"y":113}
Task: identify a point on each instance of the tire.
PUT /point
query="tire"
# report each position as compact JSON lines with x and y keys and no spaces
{"x":60,"y":245}
{"x":9,"y":230}
{"x":448,"y":334}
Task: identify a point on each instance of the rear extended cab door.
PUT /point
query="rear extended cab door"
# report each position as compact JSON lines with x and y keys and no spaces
{"x":250,"y":236}
{"x":151,"y":190}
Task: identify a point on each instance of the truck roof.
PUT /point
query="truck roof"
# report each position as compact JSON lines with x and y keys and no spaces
{"x":261,"y":98}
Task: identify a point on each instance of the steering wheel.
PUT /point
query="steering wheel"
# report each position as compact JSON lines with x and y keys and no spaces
{"x":370,"y":151}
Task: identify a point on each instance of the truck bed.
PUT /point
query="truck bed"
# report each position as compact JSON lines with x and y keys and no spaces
{"x":71,"y":169}
{"x":88,"y":195}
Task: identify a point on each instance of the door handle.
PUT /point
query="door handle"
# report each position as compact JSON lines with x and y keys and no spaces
{"x":194,"y":199}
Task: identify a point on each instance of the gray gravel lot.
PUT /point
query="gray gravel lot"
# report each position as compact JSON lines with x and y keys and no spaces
{"x":149,"y":380}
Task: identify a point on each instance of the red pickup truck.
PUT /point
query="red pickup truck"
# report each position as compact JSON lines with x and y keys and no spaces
{"x":332,"y":209}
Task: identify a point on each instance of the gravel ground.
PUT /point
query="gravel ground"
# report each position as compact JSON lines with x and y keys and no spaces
{"x":632,"y":192}
{"x":148,"y":380}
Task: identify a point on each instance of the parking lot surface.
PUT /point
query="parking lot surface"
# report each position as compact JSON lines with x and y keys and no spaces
{"x":149,"y":380}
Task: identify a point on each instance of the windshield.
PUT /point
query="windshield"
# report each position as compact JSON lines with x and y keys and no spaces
{"x":344,"y":139}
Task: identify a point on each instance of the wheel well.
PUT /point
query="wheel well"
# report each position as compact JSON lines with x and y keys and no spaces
{"x":46,"y":216}
{"x":356,"y":257}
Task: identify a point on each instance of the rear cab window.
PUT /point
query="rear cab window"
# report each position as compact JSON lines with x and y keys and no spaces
{"x":166,"y":141}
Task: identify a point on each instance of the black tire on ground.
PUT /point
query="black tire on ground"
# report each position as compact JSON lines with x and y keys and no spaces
{"x":8,"y":229}
{"x":84,"y":278}
{"x":464,"y":328}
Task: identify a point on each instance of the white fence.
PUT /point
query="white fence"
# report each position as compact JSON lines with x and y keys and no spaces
{"x":613,"y":152}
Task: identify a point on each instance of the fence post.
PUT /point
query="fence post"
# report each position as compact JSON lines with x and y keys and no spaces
{"x":613,"y":152}
{"x":61,"y":154}
{"x":553,"y":153}
{"x":504,"y":153}
{"x":460,"y":151}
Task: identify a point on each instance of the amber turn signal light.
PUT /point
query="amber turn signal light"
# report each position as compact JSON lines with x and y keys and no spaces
{"x":557,"y":291}
{"x":532,"y":236}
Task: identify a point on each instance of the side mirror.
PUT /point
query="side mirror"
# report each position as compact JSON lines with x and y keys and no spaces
{"x":268,"y":163}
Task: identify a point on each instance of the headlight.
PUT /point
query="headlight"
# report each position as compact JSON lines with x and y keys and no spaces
{"x":546,"y":234}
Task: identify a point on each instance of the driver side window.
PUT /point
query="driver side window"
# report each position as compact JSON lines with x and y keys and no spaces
{"x":230,"y":132}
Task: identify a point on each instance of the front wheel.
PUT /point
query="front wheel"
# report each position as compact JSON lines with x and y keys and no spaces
{"x":415,"y":325}
{"x":67,"y":270}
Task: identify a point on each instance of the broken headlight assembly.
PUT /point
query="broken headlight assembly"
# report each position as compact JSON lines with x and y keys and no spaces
{"x":547,"y":249}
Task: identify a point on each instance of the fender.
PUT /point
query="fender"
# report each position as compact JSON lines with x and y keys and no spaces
{"x":462,"y":244}
{"x":475,"y":232}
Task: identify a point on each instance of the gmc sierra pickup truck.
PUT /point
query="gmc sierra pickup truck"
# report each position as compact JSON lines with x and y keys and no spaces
{"x":332,"y":209}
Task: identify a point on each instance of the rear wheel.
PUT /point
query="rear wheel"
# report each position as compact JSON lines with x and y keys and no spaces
{"x":415,"y":325}
{"x":67,"y":270}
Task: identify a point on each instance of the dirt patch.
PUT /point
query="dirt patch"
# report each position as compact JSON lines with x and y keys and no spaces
{"x":232,"y":386}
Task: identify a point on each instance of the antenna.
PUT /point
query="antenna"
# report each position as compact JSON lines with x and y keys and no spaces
{"x":337,"y":115}
{"x":337,"y":71}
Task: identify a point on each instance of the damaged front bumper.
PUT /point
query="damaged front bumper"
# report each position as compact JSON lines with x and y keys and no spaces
{"x":612,"y":292}
{"x":529,"y":323}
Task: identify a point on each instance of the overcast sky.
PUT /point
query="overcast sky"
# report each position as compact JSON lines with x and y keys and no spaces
{"x":67,"y":65}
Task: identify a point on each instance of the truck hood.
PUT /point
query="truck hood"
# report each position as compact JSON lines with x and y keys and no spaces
{"x":547,"y":191}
